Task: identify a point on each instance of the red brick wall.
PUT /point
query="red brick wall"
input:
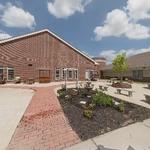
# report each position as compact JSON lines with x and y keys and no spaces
{"x":43,"y":51}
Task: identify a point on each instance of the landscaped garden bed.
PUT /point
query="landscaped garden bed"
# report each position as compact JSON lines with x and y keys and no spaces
{"x":92,"y":113}
{"x":122,"y":85}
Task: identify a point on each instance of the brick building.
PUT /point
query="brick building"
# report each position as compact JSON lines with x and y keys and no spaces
{"x":138,"y":68}
{"x":44,"y":57}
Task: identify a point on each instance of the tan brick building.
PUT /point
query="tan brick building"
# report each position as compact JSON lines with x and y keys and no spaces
{"x":139,"y":68}
{"x":44,"y":57}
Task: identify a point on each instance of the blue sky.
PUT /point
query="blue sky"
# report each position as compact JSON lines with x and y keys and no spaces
{"x":97,"y":27}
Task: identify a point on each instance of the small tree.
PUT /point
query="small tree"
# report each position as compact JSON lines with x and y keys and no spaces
{"x":120,"y":64}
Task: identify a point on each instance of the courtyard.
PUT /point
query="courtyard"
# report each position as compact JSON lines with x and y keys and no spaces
{"x":43,"y":123}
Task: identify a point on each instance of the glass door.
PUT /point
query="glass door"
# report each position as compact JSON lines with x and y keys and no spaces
{"x":10,"y":74}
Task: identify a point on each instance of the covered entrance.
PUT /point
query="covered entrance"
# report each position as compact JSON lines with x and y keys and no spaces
{"x":44,"y":75}
{"x":89,"y":74}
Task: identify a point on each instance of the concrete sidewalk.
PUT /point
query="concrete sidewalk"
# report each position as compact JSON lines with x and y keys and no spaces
{"x":132,"y":137}
{"x":139,"y":90}
{"x":13,"y":103}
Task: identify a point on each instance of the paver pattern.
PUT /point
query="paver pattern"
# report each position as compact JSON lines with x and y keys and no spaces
{"x":44,"y":125}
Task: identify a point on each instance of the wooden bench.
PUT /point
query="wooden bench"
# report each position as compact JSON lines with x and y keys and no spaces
{"x":3,"y":81}
{"x":103,"y":88}
{"x":148,"y":85}
{"x":130,"y":92}
{"x":147,"y":97}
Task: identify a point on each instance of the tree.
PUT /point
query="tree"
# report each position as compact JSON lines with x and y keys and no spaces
{"x":120,"y":64}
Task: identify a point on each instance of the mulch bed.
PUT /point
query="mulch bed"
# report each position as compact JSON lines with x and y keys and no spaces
{"x":122,"y":85}
{"x":105,"y":119}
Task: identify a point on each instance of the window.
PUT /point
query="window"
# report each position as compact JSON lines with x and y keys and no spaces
{"x":75,"y":74}
{"x":1,"y":73}
{"x":63,"y":73}
{"x":138,"y":74}
{"x":57,"y":74}
{"x":10,"y":73}
{"x":70,"y":74}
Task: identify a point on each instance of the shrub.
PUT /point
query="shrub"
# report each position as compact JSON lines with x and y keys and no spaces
{"x":88,"y":113}
{"x":102,"y":99}
{"x":121,"y":107}
{"x":63,"y":87}
{"x":62,"y":94}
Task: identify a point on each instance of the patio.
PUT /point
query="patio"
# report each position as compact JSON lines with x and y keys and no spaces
{"x":44,"y":124}
{"x":139,"y":90}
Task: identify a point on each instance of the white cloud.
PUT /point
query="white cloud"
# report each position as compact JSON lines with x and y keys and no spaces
{"x":4,"y":35}
{"x":124,"y":22}
{"x":111,"y":54}
{"x":117,"y":24}
{"x":66,"y":8}
{"x":138,"y":9}
{"x":13,"y":16}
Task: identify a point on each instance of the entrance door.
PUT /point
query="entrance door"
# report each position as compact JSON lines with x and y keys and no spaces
{"x":44,"y":76}
{"x":87,"y":77}
{"x":88,"y":74}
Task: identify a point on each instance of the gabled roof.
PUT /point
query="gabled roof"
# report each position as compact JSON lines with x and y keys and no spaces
{"x":53,"y":34}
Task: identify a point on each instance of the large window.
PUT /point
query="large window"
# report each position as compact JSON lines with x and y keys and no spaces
{"x":70,"y":73}
{"x":57,"y":74}
{"x":1,"y":73}
{"x":76,"y":74}
{"x":63,"y":73}
{"x":138,"y":74}
{"x":10,"y":73}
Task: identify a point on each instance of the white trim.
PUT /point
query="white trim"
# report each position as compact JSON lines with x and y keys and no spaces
{"x":46,"y":30}
{"x":71,"y":73}
{"x":75,"y":77}
{"x":58,"y":69}
{"x":9,"y":68}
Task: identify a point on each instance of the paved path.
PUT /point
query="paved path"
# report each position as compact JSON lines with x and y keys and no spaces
{"x":44,"y":125}
{"x":132,"y":137}
{"x":13,"y":103}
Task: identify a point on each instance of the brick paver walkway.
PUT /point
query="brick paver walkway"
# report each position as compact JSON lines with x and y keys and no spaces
{"x":44,"y":125}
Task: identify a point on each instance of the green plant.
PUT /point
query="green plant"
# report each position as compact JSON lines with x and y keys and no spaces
{"x":88,"y":113}
{"x":121,"y":107}
{"x":62,"y":94}
{"x":120,"y":64}
{"x":102,"y":99}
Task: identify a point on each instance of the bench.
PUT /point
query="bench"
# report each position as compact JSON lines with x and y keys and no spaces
{"x":103,"y":88}
{"x":129,"y":91}
{"x":3,"y":81}
{"x":147,"y":97}
{"x":148,"y":85}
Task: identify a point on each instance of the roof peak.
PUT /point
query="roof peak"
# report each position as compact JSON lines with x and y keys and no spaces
{"x":53,"y":34}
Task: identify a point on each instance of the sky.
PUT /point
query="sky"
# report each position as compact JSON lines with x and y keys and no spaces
{"x":96,"y":27}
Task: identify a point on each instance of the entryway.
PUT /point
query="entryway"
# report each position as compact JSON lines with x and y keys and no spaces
{"x":44,"y":76}
{"x":88,"y":74}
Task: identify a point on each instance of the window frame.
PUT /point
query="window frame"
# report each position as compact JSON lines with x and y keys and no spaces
{"x":75,"y":73}
{"x":71,"y":73}
{"x":2,"y":68}
{"x":10,"y":69}
{"x":57,"y":78}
